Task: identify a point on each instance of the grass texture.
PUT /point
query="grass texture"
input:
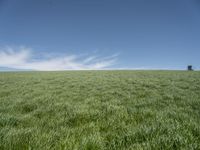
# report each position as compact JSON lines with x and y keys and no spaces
{"x":100,"y":110}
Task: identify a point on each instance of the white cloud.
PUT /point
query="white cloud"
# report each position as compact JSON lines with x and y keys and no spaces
{"x":23,"y":58}
{"x":89,"y":59}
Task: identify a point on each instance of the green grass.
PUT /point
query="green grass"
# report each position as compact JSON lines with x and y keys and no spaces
{"x":100,"y":110}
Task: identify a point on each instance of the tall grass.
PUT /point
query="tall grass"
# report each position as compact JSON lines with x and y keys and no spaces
{"x":100,"y":110}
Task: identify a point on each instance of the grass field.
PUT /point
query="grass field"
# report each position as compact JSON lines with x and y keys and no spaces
{"x":100,"y":110}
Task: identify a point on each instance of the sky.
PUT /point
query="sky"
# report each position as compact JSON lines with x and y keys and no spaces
{"x":99,"y":34}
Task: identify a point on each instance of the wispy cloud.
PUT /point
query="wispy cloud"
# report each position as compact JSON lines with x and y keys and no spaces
{"x":24,"y":58}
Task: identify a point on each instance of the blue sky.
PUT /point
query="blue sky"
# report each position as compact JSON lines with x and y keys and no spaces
{"x":99,"y":34}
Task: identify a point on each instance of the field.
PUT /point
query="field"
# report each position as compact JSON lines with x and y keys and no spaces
{"x":100,"y":110}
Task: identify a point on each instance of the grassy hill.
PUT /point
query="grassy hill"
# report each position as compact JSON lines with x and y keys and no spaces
{"x":100,"y":110}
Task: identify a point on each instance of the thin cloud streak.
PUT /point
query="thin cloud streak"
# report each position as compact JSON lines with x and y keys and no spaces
{"x":23,"y":58}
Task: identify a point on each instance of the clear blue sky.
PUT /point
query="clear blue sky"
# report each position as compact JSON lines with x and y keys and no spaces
{"x":149,"y":34}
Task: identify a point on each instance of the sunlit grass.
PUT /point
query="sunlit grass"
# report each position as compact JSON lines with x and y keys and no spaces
{"x":100,"y":110}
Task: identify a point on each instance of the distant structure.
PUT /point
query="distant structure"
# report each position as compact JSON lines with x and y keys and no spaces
{"x":189,"y":68}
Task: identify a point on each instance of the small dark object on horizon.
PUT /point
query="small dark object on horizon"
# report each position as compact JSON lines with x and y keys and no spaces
{"x":190,"y":68}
